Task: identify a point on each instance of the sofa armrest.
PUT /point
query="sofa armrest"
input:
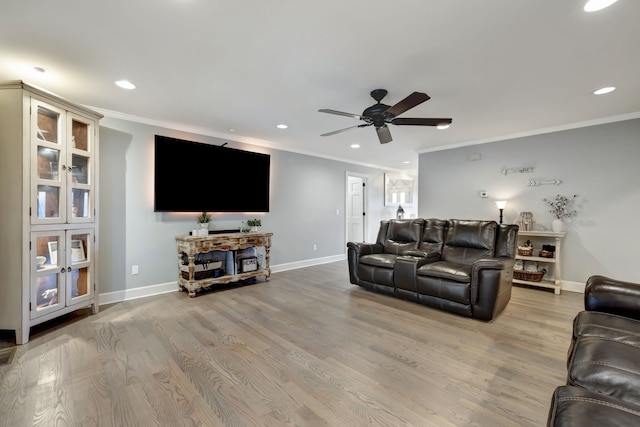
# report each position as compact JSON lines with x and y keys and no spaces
{"x":491,"y":282}
{"x":500,"y":263}
{"x":612,"y":296}
{"x":365,"y":248}
{"x":354,"y":251}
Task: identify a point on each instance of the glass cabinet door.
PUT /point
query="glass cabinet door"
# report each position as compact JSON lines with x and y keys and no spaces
{"x":81,"y":157}
{"x":80,"y":271}
{"x":48,"y":272}
{"x":49,"y":166}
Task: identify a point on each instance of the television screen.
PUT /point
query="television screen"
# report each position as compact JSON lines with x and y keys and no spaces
{"x":196,"y":177}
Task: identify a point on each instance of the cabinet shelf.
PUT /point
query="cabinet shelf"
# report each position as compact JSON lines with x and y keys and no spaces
{"x":536,"y":259}
{"x":542,"y":284}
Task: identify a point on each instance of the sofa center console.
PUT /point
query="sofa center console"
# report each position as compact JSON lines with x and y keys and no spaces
{"x":204,"y":261}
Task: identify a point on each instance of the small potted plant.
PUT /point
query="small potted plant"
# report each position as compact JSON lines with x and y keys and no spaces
{"x":204,"y":219}
{"x":254,"y":224}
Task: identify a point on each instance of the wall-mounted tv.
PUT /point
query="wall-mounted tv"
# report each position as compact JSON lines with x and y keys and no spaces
{"x":196,"y":177}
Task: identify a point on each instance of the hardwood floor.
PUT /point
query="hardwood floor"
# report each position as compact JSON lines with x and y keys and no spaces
{"x":305,"y":349}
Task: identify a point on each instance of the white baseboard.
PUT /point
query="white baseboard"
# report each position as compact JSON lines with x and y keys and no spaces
{"x":573,"y":286}
{"x":147,"y":291}
{"x":308,"y":263}
{"x":135,"y":293}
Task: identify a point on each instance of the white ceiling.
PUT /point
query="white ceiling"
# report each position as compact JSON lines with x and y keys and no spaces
{"x":499,"y":68}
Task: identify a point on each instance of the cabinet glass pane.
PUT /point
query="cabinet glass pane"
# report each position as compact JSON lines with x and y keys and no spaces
{"x":79,"y":135}
{"x":48,"y":163}
{"x":47,"y":291}
{"x":48,"y":201}
{"x":80,"y":171}
{"x":79,"y":248}
{"x":47,"y":253}
{"x":80,"y":207}
{"x":79,"y":282}
{"x":48,"y":120}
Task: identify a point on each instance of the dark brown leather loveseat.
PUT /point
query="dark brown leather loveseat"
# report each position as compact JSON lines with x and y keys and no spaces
{"x":461,"y":266}
{"x":603,"y":378}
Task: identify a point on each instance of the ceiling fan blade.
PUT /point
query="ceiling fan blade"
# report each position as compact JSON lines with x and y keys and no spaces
{"x":409,"y":102}
{"x":384,"y":135}
{"x":344,"y":130}
{"x":339,"y":113}
{"x":419,"y":121}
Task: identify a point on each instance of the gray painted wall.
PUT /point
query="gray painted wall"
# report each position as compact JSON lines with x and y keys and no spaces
{"x":306,"y":191}
{"x":599,"y":163}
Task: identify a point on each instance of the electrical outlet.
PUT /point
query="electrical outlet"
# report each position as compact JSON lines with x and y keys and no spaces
{"x":315,"y":248}
{"x":134,"y":269}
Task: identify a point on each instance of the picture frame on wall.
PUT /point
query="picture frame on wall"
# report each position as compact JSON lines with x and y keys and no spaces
{"x":398,"y":189}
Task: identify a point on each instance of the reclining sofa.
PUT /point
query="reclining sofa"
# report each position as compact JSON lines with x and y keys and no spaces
{"x":603,"y":363}
{"x":461,"y":266}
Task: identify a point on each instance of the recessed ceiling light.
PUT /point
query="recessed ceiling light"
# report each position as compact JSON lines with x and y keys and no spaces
{"x":282,"y":126}
{"x":125,"y":84}
{"x":355,"y":145}
{"x":406,"y":162}
{"x":40,"y":69}
{"x":595,"y":5}
{"x":232,"y":130}
{"x":604,"y":90}
{"x":442,"y":127}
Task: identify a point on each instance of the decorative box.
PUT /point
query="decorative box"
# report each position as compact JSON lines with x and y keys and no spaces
{"x":247,"y":264}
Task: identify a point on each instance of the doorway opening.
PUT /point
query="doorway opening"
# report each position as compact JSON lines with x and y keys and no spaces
{"x":356,"y":212}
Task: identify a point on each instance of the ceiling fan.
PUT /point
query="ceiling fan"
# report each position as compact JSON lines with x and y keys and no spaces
{"x":379,"y":115}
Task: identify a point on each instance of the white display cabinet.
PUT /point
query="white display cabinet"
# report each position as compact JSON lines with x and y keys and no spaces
{"x":49,"y":227}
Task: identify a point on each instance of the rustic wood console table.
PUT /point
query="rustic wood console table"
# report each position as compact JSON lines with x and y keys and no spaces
{"x":190,"y":246}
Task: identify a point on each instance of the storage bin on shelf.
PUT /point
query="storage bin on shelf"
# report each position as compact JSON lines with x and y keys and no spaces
{"x":530,"y":276}
{"x":526,"y":250}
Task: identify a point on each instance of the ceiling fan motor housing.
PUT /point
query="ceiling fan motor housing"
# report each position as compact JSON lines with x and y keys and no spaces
{"x":375,"y":114}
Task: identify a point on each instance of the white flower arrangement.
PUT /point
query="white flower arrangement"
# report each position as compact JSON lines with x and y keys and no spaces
{"x":560,"y":206}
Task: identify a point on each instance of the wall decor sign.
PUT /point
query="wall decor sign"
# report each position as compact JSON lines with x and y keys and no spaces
{"x":398,"y":189}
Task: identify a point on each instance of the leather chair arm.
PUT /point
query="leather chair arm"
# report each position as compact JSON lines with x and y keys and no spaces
{"x":354,"y":251}
{"x":612,"y":296}
{"x":365,"y":248}
{"x":492,"y":264}
{"x":494,"y":275}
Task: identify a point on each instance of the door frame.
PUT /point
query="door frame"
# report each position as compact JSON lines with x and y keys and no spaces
{"x":365,"y":203}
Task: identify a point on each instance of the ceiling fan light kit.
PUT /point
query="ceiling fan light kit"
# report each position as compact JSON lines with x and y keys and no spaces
{"x":381,"y":115}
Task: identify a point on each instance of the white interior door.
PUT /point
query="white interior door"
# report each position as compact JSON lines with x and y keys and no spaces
{"x":356,"y":208}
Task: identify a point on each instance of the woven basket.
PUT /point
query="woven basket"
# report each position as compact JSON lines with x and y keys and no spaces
{"x":529,"y":276}
{"x":546,"y":254}
{"x":525,"y":250}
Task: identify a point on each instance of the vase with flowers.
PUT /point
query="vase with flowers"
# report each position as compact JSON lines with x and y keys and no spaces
{"x":559,"y":208}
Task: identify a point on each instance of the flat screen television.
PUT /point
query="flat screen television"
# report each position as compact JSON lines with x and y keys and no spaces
{"x":196,"y":177}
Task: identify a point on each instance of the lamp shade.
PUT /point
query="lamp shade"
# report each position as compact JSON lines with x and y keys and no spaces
{"x":501,"y":204}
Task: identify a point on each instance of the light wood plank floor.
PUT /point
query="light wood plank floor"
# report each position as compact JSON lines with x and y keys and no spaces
{"x":305,"y":349}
